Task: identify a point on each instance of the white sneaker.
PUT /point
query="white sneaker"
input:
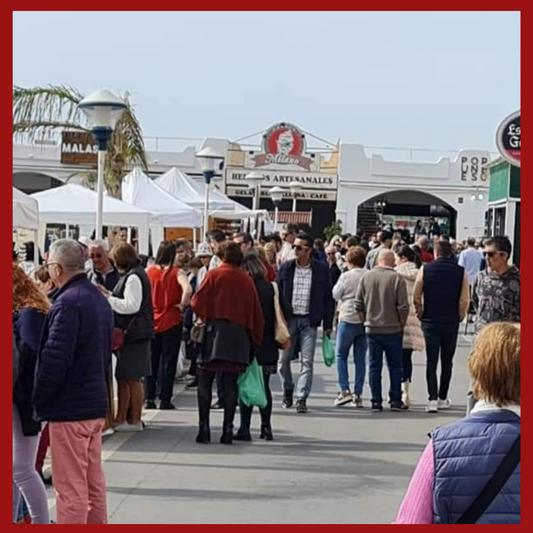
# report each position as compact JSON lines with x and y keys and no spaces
{"x":129,"y":428}
{"x":343,"y":398}
{"x":444,"y":404}
{"x":432,"y":407}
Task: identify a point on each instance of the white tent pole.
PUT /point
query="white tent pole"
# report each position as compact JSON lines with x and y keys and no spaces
{"x":67,"y":231}
{"x":194,"y":239}
{"x":36,"y":249}
{"x":129,"y":234}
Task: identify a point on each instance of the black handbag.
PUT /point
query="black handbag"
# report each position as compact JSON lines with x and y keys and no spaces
{"x":493,"y":487}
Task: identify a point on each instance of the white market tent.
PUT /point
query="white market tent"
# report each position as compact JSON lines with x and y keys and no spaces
{"x":189,"y":191}
{"x":139,"y":190}
{"x":25,"y":211}
{"x":73,"y":204}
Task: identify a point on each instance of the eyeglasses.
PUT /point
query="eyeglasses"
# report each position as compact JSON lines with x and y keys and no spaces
{"x":299,"y":248}
{"x":332,"y":253}
{"x":48,"y":265}
{"x":96,"y":256}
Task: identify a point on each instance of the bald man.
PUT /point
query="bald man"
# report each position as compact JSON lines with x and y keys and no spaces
{"x":383,"y":306}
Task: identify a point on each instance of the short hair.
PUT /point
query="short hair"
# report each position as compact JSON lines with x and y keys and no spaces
{"x":346,"y":236}
{"x":69,"y":254}
{"x":196,"y":262}
{"x":356,"y":256}
{"x":501,"y":243}
{"x":246,"y":238}
{"x":494,"y":364}
{"x":98,"y":243}
{"x":182,"y":243}
{"x":444,"y":238}
{"x":291,"y":228}
{"x":352,"y":241}
{"x":125,"y":257}
{"x":471,"y":241}
{"x":386,"y":255}
{"x":230,"y":253}
{"x":385,"y":236}
{"x":305,"y":237}
{"x":254,"y":266}
{"x":166,"y":254}
{"x":274,"y":237}
{"x":319,"y":244}
{"x":443,"y":248}
{"x":217,"y":235}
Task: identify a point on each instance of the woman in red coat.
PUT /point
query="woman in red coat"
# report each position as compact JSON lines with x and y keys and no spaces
{"x":228,"y":304}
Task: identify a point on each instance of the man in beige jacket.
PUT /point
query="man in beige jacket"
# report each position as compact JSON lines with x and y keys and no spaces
{"x":441,"y":297}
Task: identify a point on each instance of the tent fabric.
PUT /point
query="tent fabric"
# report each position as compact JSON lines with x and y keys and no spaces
{"x":76,"y":205}
{"x":191,"y":192}
{"x":25,"y":211}
{"x":139,"y":190}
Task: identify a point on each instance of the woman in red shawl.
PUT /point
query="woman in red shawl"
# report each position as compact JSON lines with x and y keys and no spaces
{"x":228,"y":304}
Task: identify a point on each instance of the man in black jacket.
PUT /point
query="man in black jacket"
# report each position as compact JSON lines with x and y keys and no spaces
{"x":306,"y":284}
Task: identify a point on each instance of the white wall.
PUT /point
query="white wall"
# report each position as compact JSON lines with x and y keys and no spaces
{"x":362,"y":178}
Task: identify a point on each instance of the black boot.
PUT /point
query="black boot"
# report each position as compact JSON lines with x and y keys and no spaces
{"x":227,"y":435}
{"x":287,"y":399}
{"x":246,"y":418}
{"x":204,"y":434}
{"x":266,"y":432}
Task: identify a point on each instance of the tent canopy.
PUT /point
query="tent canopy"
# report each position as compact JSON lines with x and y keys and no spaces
{"x":25,"y":211}
{"x":76,"y":205}
{"x":139,"y":190}
{"x":189,"y":191}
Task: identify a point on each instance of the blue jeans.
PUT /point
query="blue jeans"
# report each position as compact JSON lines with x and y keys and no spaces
{"x":349,"y":335}
{"x":391,"y":344}
{"x":303,"y":335}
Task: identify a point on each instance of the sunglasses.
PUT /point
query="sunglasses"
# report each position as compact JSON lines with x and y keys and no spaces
{"x":490,"y":254}
{"x":96,"y":256}
{"x":299,"y":248}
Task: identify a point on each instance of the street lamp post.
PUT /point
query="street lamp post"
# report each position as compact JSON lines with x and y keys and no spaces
{"x":208,"y":161}
{"x":276,"y":194}
{"x":295,"y":187}
{"x":103,"y":110}
{"x":254,"y":180}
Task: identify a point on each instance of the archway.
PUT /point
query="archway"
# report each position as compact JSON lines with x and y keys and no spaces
{"x":402,"y":208}
{"x":30,"y":182}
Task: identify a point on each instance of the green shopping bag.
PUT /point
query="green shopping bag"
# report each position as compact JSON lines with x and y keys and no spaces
{"x":328,"y":352}
{"x":252,"y":386}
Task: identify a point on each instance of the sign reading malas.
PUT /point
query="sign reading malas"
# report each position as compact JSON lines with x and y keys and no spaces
{"x":508,"y":139}
{"x":283,"y":144}
{"x":78,"y":148}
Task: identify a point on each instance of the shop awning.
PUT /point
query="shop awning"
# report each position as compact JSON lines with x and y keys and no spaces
{"x":302,"y":218}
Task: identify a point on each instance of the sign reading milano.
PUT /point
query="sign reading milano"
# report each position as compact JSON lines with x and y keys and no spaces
{"x":78,"y":148}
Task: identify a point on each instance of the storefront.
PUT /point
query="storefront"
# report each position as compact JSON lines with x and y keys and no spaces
{"x":284,"y":157}
{"x":503,"y":216}
{"x":374,"y":192}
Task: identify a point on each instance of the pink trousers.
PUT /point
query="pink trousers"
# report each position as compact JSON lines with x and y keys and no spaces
{"x":77,"y":472}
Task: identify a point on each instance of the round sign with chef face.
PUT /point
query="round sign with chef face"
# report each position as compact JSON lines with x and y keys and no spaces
{"x":508,"y":139}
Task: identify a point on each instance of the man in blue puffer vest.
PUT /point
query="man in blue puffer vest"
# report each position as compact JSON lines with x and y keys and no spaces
{"x":70,"y":386}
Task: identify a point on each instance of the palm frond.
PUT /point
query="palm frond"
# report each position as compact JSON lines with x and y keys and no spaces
{"x":42,"y":111}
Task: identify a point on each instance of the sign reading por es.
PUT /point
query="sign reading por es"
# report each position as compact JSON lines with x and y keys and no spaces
{"x":508,"y":139}
{"x":78,"y":148}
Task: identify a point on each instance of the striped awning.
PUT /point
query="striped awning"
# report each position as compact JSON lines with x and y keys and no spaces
{"x":302,"y":218}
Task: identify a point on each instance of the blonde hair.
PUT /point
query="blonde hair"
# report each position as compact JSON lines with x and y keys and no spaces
{"x":494,"y":364}
{"x":26,"y":293}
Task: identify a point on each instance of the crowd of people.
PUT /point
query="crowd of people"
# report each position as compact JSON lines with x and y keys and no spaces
{"x":224,"y":304}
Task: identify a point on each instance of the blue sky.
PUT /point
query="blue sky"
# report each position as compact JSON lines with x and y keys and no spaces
{"x":431,"y":80}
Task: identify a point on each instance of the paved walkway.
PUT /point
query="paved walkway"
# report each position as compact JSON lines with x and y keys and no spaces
{"x":333,"y":465}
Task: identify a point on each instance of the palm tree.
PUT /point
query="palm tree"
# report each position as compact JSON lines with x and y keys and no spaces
{"x":43,"y":112}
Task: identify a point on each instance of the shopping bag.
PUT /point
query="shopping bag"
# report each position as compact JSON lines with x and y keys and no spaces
{"x":328,"y":352}
{"x":252,"y":386}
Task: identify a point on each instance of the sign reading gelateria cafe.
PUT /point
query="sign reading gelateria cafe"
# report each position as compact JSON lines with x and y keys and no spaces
{"x":284,"y":158}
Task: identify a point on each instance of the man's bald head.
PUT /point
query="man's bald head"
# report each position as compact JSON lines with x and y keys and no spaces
{"x":386,"y":258}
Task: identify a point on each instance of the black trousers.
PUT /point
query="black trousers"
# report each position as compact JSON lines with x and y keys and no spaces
{"x":205,"y":395}
{"x":266,"y":412}
{"x":441,"y":342}
{"x":165,"y":352}
{"x":407,"y":365}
